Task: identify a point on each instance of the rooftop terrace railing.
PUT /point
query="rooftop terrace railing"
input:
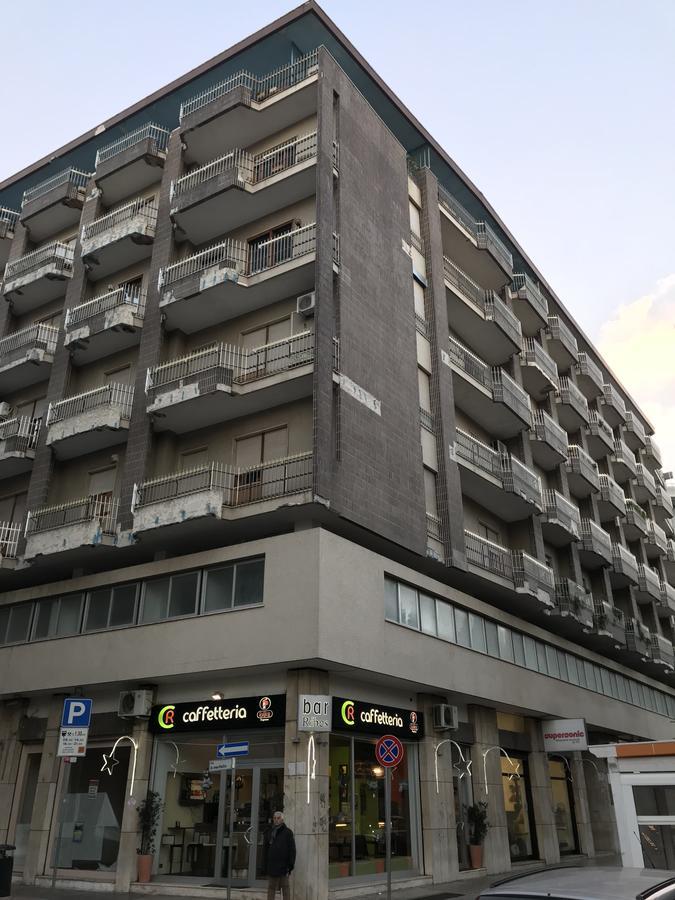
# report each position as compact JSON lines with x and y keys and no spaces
{"x":73,"y":176}
{"x":9,"y":217}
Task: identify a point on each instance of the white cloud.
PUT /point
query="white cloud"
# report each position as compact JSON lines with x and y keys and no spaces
{"x":639,"y":345}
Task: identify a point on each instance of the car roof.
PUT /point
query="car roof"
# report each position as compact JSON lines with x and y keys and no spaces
{"x":583,"y":883}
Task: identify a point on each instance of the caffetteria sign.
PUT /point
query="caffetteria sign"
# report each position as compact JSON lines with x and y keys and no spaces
{"x":217,"y":715}
{"x":371,"y":718}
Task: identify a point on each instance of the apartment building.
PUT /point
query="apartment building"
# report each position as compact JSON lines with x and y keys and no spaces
{"x":288,"y":411}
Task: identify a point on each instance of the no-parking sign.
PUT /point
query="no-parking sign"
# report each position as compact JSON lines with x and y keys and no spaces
{"x":389,"y":751}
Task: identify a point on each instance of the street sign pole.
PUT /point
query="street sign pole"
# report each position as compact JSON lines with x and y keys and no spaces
{"x":231,"y":846}
{"x":387,"y":831}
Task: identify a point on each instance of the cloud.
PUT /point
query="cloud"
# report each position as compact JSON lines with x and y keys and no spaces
{"x":639,"y":345}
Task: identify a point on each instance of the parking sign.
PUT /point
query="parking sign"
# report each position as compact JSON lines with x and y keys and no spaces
{"x":76,"y":713}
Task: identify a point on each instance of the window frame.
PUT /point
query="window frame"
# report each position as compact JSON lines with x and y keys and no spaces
{"x":111,"y":588}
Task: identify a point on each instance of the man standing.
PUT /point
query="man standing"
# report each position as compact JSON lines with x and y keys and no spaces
{"x":279,"y":857}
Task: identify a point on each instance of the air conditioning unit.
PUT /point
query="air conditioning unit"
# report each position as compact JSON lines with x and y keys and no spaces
{"x":305,"y":304}
{"x":5,"y":410}
{"x":134,"y":704}
{"x":445,"y":717}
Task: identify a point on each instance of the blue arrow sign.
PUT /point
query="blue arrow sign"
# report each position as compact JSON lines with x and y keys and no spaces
{"x":227,"y":751}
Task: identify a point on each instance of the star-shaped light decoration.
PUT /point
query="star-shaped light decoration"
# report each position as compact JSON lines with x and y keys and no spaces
{"x":515,"y":769}
{"x":109,"y":762}
{"x":463,"y":767}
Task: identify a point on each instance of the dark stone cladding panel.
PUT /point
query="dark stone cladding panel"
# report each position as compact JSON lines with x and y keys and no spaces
{"x":377,"y":480}
{"x":238,"y":96}
{"x":139,"y":440}
{"x":66,"y":193}
{"x":145,"y":149}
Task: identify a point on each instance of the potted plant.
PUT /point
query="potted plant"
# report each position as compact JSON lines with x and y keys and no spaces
{"x":148,"y":819}
{"x":476,"y":815}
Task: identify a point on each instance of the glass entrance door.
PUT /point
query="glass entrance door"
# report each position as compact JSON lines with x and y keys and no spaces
{"x":563,"y":806}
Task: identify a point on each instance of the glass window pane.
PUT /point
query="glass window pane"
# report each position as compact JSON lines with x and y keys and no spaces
{"x":97,"y":610}
{"x":19,"y":623}
{"x":518,"y":649}
{"x":407,"y":597}
{"x":47,"y":614}
{"x":428,"y":614}
{"x":477,"y":629}
{"x":446,"y":621}
{"x":155,"y":599}
{"x":562,"y":665}
{"x":462,"y":626}
{"x":572,"y":673}
{"x":390,"y":600}
{"x":183,"y":598}
{"x":70,"y":614}
{"x":218,"y":589}
{"x":505,"y":643}
{"x":590,"y":675}
{"x":123,"y":609}
{"x":4,"y":620}
{"x":248,"y":582}
{"x":492,"y":639}
{"x":552,"y":661}
{"x":530,"y":653}
{"x":541,"y":658}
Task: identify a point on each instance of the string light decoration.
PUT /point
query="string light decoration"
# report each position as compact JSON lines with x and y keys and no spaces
{"x":110,"y":760}
{"x":311,"y":762}
{"x":463,"y":767}
{"x":515,"y":766}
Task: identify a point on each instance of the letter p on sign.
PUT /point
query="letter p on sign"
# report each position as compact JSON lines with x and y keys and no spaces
{"x":76,"y":713}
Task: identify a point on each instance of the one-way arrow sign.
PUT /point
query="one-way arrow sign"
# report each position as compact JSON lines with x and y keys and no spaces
{"x":227,"y":751}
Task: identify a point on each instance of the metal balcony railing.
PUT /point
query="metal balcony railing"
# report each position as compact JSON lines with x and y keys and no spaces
{"x":645,"y":479}
{"x":570,"y":394}
{"x":239,"y":485}
{"x":635,"y":425}
{"x":599,"y":427}
{"x":73,"y":176}
{"x":607,"y":614}
{"x":487,"y":240}
{"x":487,"y":555}
{"x":433,"y":527}
{"x":143,"y":209}
{"x":571,"y":597}
{"x":649,"y":581}
{"x":667,"y":592}
{"x":527,"y":290}
{"x":102,"y":508}
{"x":117,"y":396}
{"x":586,"y":366}
{"x":638,"y":636}
{"x":657,"y":536}
{"x":557,"y":330}
{"x":266,"y":255}
{"x":469,"y":363}
{"x":636,"y":515}
{"x":534,"y":355}
{"x":528,"y":571}
{"x":506,"y":390}
{"x":251,"y":168}
{"x":652,"y":449}
{"x":511,"y":472}
{"x":226,"y":254}
{"x":661,"y":650}
{"x":611,"y":492}
{"x":456,"y":211}
{"x":558,"y":508}
{"x":463,"y":283}
{"x":260,"y":88}
{"x":663,"y":499}
{"x":583,"y":464}
{"x":595,"y":539}
{"x":120,"y":297}
{"x":19,"y":435}
{"x":8,"y":218}
{"x":519,"y":479}
{"x":158,"y":135}
{"x":36,"y":337}
{"x":498,"y":312}
{"x":547,"y":430}
{"x":480,"y":455}
{"x":612,"y":398}
{"x":53,"y":254}
{"x":670,"y":551}
{"x":623,"y":453}
{"x":624,"y":562}
{"x":10,"y":533}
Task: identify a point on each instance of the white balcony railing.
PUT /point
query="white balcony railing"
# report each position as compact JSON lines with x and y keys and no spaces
{"x":595,"y":539}
{"x":506,"y":390}
{"x":558,"y":508}
{"x":528,"y":571}
{"x":159,"y":136}
{"x":55,"y":254}
{"x":557,"y":330}
{"x":144,"y":209}
{"x":97,"y":507}
{"x":547,"y":430}
{"x":73,"y":176}
{"x":120,"y":297}
{"x":483,"y":233}
{"x":35,"y":337}
{"x":8,"y":218}
{"x":10,"y":533}
{"x":533,"y":354}
{"x":469,"y":363}
{"x":528,"y":290}
{"x":570,"y":395}
{"x":487,"y":555}
{"x":19,"y":435}
{"x":117,"y":396}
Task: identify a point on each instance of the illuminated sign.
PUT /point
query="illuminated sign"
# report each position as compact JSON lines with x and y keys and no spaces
{"x":372,"y":718}
{"x":244,"y":713}
{"x":564,"y":734}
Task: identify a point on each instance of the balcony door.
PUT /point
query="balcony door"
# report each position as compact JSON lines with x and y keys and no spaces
{"x":251,"y":453}
{"x":270,"y":248}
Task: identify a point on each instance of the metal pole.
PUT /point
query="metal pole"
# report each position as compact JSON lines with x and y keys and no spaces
{"x":231,"y":846}
{"x":387,"y":830}
{"x":58,"y":824}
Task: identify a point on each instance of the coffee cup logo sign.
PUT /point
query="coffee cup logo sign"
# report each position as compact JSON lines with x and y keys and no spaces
{"x":371,"y":718}
{"x":214,"y":715}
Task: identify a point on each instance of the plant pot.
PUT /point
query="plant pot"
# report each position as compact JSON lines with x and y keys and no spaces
{"x":475,"y":855}
{"x":144,"y":867}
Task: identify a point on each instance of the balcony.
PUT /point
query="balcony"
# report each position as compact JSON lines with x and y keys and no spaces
{"x":529,"y":304}
{"x":225,"y":382}
{"x":512,"y":398}
{"x":26,"y":357}
{"x":106,"y":324}
{"x":479,"y":317}
{"x":624,"y":571}
{"x":538,"y":371}
{"x":249,"y":107}
{"x":643,"y":485}
{"x":638,"y":638}
{"x":119,"y":239}
{"x":612,"y":406}
{"x":669,"y":561}
{"x":533,"y":577}
{"x":599,"y":436}
{"x":88,"y":522}
{"x":649,"y":585}
{"x":38,"y":277}
{"x":666,"y":605}
{"x":655,"y":541}
{"x":497,"y":481}
{"x":90,"y":421}
{"x":560,"y":522}
{"x":583,"y":477}
{"x":635,"y":525}
{"x":547,"y":440}
{"x":590,"y":379}
{"x":231,"y":278}
{"x":652,"y":454}
{"x":661,"y":651}
{"x":634,"y":432}
{"x":572,"y":406}
{"x":18,"y":439}
{"x":609,"y":625}
{"x":489,"y":559}
{"x":595,"y":549}
{"x":624,"y":463}
{"x":241,"y":187}
{"x":216,"y":492}
{"x":8,"y":220}
{"x":572,"y":601}
{"x":612,"y":500}
{"x":474,"y":246}
{"x":10,"y":532}
{"x":562,"y":345}
{"x":54,"y":205}
{"x":132,"y":163}
{"x":663,"y":506}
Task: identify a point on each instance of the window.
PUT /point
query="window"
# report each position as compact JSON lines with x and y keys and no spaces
{"x":58,"y":617}
{"x":408,"y":612}
{"x":489,"y":533}
{"x":430,"y":492}
{"x":231,"y":586}
{"x":122,"y":375}
{"x":267,"y":334}
{"x":111,"y":607}
{"x":418,"y":295}
{"x":427,"y":614}
{"x":167,"y":598}
{"x":424,"y":384}
{"x":477,"y":632}
{"x":445,"y":616}
{"x":13,"y":508}
{"x":390,"y":600}
{"x":250,"y":453}
{"x":415,"y":223}
{"x":15,"y":623}
{"x":248,"y":583}
{"x":192,"y":459}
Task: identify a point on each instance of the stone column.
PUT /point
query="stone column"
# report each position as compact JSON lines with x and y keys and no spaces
{"x":45,"y":797}
{"x":601,"y":806}
{"x":309,"y":821}
{"x":126,"y":871}
{"x":438,"y":805}
{"x":542,"y":796}
{"x":497,"y":856}
{"x":10,"y":757}
{"x":581,"y":810}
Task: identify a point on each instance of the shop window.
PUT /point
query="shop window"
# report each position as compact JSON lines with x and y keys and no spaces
{"x":15,"y":623}
{"x":58,"y":617}
{"x":563,"y":806}
{"x":111,"y":607}
{"x":463,"y":797}
{"x":518,"y":815}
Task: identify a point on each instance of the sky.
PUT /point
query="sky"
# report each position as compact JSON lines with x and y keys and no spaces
{"x":561,"y":113}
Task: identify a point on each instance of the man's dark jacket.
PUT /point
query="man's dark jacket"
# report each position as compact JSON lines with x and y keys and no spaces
{"x":280,"y":851}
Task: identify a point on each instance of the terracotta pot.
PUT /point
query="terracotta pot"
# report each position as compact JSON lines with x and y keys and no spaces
{"x":144,"y":867}
{"x":475,"y":855}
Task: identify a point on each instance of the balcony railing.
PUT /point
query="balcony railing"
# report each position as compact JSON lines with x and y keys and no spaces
{"x":547,"y":430}
{"x":649,"y":581}
{"x":610,"y":492}
{"x":260,"y":88}
{"x":498,"y":312}
{"x":598,"y":426}
{"x":663,"y":499}
{"x":487,"y":555}
{"x":251,"y":168}
{"x":623,"y":453}
{"x":120,"y":297}
{"x":570,"y":394}
{"x":528,"y":290}
{"x":488,"y":240}
{"x":10,"y":533}
{"x":73,"y":176}
{"x":97,"y":507}
{"x":612,"y":398}
{"x":645,"y":479}
{"x":635,"y":515}
{"x":528,"y":571}
{"x":652,"y":449}
{"x":638,"y":636}
{"x":558,"y":508}
{"x":284,"y":248}
{"x":634,"y":425}
{"x":456,"y":211}
{"x":558,"y":331}
{"x":667,"y":597}
{"x":657,"y":536}
{"x":521,"y":480}
{"x":595,"y":539}
{"x":226,"y":254}
{"x":8,"y":218}
{"x":52,"y":254}
{"x":159,"y":136}
{"x":239,"y":485}
{"x":661,"y":650}
{"x":586,"y":366}
{"x":535,"y":355}
{"x":607,"y":614}
{"x":478,"y":454}
{"x":469,"y":363}
{"x":572,"y":598}
{"x":506,"y":390}
{"x":433,"y":527}
{"x":117,"y":396}
{"x":464,"y":284}
{"x":583,"y":464}
{"x":36,"y":337}
{"x":19,"y":435}
{"x":624,"y":562}
{"x":511,"y":472}
{"x":144,"y":208}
